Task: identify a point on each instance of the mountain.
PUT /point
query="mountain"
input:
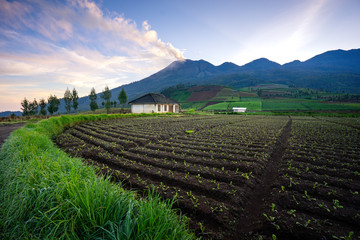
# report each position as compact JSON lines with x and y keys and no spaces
{"x":228,"y":67}
{"x":331,"y":61}
{"x":8,"y":113}
{"x":260,"y":64}
{"x":335,"y":71}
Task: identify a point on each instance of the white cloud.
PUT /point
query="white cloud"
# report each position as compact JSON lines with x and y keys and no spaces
{"x":77,"y":44}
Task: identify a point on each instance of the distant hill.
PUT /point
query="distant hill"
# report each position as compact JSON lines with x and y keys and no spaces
{"x":8,"y":113}
{"x":335,"y":71}
{"x":261,"y":64}
{"x":331,"y":61}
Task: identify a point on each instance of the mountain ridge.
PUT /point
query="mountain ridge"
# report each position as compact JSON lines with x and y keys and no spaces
{"x":335,"y":70}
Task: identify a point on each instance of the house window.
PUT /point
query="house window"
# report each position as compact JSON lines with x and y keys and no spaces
{"x":159,"y":108}
{"x":165,"y":108}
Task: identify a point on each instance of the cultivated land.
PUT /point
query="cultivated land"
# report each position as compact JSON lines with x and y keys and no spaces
{"x":264,"y":97}
{"x":236,"y":177}
{"x":45,"y":194}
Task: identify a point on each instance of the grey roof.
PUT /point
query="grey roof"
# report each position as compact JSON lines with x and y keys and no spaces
{"x":154,"y":98}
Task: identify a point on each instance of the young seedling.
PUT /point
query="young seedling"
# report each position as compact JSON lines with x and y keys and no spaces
{"x":336,"y":204}
{"x":292,"y":212}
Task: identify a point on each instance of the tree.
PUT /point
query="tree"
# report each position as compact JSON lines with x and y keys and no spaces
{"x":25,"y":107}
{"x":67,"y":100}
{"x":33,"y":107}
{"x":122,"y":97}
{"x":29,"y":108}
{"x":54,"y":103}
{"x":75,"y":98}
{"x":93,"y":97}
{"x":106,"y":95}
{"x":42,"y":105}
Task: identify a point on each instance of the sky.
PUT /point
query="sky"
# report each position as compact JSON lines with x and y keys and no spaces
{"x":47,"y":46}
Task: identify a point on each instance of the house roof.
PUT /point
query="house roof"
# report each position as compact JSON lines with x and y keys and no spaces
{"x":154,"y":98}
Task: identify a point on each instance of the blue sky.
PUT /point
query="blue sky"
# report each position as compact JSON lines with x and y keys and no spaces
{"x":47,"y":46}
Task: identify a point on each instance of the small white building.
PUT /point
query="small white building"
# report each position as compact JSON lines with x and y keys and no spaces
{"x":238,"y":109}
{"x":154,"y":103}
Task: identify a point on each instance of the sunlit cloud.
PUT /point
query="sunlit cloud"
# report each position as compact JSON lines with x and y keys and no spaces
{"x":75,"y":44}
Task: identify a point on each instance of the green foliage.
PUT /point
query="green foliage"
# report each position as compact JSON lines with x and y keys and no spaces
{"x":93,"y":102}
{"x":122,"y":97}
{"x":25,"y":107}
{"x":178,"y":93}
{"x":45,"y":194}
{"x":29,"y":108}
{"x":42,"y":105}
{"x":106,"y":95}
{"x":190,"y":111}
{"x":67,"y":100}
{"x":74,"y":99}
{"x":54,"y":103}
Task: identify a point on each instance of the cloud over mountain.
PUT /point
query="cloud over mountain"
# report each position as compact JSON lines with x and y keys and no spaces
{"x":75,"y":43}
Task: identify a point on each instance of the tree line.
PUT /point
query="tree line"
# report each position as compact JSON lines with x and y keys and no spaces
{"x":30,"y":108}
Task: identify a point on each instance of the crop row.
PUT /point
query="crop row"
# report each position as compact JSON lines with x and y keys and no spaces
{"x":209,"y":163}
{"x":317,"y":193}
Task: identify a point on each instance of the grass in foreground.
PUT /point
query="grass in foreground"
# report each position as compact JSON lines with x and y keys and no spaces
{"x":45,"y":194}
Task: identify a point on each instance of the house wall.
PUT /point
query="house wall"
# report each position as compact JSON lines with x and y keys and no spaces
{"x":150,"y":108}
{"x":167,"y":107}
{"x":143,"y":108}
{"x":239,"y":109}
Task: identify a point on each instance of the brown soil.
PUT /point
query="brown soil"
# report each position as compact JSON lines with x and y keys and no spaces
{"x":235,"y":177}
{"x":209,"y":103}
{"x":203,"y":93}
{"x":6,"y":129}
{"x":253,"y":220}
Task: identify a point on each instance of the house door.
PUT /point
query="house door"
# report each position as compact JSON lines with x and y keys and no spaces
{"x":170,"y":108}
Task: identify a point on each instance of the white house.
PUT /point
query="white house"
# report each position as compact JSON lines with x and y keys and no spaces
{"x":154,"y":103}
{"x":238,"y":109}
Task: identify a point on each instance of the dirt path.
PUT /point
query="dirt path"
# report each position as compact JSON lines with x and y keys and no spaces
{"x":253,"y":220}
{"x":5,"y":130}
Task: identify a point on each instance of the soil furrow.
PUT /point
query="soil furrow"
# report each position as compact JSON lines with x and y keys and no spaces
{"x":252,"y":219}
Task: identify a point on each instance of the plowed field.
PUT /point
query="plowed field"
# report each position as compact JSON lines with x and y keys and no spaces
{"x":236,"y":177}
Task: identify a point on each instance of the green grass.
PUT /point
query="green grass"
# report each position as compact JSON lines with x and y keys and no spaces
{"x":193,"y":105}
{"x":45,"y":194}
{"x":305,"y":113}
{"x":252,"y":104}
{"x":218,"y":107}
{"x":306,"y":105}
{"x":180,"y":95}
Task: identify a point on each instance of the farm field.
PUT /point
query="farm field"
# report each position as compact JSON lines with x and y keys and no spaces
{"x":248,"y":177}
{"x":252,"y":104}
{"x":264,"y":97}
{"x":287,"y":104}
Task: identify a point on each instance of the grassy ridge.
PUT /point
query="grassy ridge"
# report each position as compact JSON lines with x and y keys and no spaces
{"x":45,"y":194}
